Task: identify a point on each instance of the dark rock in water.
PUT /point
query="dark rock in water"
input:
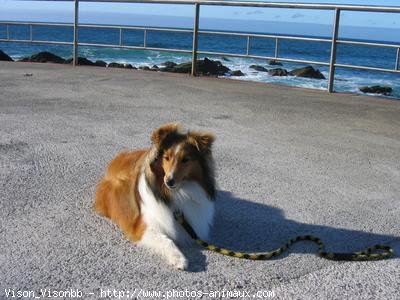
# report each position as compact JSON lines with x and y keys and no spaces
{"x":44,"y":57}
{"x":5,"y":57}
{"x":308,"y":72}
{"x":145,"y":68}
{"x":258,"y":68}
{"x":167,"y":66}
{"x":225,"y":58}
{"x":170,"y":64}
{"x":182,"y":68}
{"x":100,"y":63}
{"x":211,"y":67}
{"x":377,"y":89}
{"x":204,"y":67}
{"x":274,"y":63}
{"x":278,"y":72}
{"x":236,"y":73}
{"x":154,"y":68}
{"x":115,"y":65}
{"x":82,"y":61}
{"x":122,"y":66}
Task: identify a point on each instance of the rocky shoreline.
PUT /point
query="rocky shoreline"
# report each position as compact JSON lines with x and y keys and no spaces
{"x":205,"y":67}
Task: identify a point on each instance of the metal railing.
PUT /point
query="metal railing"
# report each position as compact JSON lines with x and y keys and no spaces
{"x":334,"y":40}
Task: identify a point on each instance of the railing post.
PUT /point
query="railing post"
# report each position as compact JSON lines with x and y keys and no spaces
{"x":397,"y":67}
{"x":30,"y":33}
{"x":248,"y":45}
{"x":8,"y":31}
{"x":332,"y":61}
{"x":120,"y":36}
{"x":276,"y":47}
{"x":75,"y":46}
{"x":145,"y":38}
{"x":195,"y":38}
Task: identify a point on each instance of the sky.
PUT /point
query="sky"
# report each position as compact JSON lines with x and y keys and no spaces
{"x":119,"y":13}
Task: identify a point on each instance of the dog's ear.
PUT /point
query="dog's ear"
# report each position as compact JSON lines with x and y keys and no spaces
{"x":201,"y":140}
{"x":160,"y":134}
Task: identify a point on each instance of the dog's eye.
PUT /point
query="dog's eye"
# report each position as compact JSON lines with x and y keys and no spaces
{"x":185,"y":159}
{"x":166,"y":158}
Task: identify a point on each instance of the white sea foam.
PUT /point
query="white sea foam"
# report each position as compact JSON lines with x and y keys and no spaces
{"x":344,"y":81}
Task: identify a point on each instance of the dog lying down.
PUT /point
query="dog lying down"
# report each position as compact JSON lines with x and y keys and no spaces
{"x":141,"y":189}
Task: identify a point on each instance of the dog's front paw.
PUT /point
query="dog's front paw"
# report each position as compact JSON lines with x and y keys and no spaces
{"x":178,"y":261}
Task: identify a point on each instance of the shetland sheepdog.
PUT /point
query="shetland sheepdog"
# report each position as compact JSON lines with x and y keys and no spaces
{"x":141,"y":189}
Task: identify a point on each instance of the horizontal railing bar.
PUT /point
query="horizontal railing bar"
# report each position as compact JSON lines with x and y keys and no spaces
{"x":36,"y":42}
{"x":35,"y":23}
{"x":367,"y":68}
{"x":167,"y":29}
{"x":283,"y":37}
{"x":207,"y":53}
{"x":136,"y":28}
{"x":255,"y":35}
{"x":134,"y":47}
{"x":368,"y":44}
{"x":372,"y":8}
{"x":176,"y":30}
{"x":95,"y":26}
{"x":301,"y":6}
{"x":269,"y":36}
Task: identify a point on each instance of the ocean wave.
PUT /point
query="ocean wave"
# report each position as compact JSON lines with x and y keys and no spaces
{"x":344,"y":81}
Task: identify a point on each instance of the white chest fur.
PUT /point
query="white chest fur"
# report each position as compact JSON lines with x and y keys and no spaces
{"x":189,"y":198}
{"x":197,"y":208}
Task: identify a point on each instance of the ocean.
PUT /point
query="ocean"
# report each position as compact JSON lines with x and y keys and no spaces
{"x":347,"y":80}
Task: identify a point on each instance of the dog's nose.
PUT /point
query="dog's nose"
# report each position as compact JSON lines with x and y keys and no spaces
{"x":170,"y":182}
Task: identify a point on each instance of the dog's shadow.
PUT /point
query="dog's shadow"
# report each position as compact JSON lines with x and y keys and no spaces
{"x":242,"y":225}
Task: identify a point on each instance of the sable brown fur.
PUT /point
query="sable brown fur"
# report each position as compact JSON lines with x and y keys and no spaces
{"x":117,"y":195}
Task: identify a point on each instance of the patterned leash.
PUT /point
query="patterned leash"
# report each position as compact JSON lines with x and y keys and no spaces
{"x":376,"y":252}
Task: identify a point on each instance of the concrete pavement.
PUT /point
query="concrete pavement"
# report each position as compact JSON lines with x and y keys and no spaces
{"x":289,"y":161}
